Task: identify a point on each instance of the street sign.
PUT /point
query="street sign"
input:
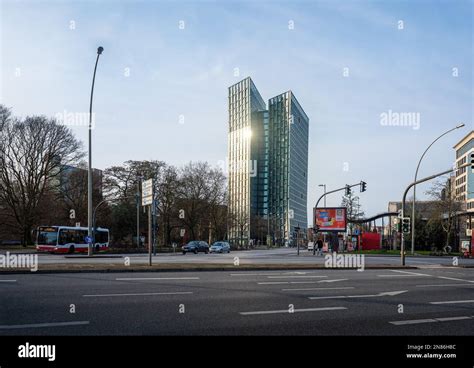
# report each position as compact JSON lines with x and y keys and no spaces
{"x":468,"y":232}
{"x":147,"y":192}
{"x":88,"y":239}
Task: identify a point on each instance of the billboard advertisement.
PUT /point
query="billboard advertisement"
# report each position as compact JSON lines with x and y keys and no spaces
{"x":331,"y":218}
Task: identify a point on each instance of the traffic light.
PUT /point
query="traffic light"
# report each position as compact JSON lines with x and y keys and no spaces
{"x":363,"y":186}
{"x":406,"y":225}
{"x":348,"y":190}
{"x":472,"y":162}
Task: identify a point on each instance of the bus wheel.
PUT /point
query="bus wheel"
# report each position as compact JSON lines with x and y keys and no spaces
{"x":71,"y":249}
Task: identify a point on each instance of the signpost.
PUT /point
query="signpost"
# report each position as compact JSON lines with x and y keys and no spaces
{"x":147,"y":200}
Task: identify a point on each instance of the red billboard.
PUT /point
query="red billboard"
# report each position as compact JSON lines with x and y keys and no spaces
{"x":331,"y":218}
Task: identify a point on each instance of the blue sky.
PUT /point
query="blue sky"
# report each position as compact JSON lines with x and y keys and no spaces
{"x":46,"y":68}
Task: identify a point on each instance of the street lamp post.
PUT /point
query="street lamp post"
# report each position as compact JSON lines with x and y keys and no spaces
{"x":414,"y":187}
{"x":324,"y":235}
{"x":323,"y":185}
{"x":89,"y":168}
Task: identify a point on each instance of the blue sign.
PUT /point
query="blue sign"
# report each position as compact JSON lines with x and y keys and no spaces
{"x":356,"y":232}
{"x":88,"y":239}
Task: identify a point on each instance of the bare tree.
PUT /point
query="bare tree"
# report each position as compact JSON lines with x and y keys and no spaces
{"x":201,"y":191}
{"x":33,"y":154}
{"x":445,"y":206}
{"x":353,"y":207}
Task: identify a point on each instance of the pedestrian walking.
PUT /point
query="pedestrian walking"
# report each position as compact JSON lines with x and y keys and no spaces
{"x":319,"y":244}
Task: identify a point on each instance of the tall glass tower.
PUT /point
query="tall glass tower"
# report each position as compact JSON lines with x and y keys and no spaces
{"x":288,"y":167}
{"x":268,"y":166}
{"x":247,"y":141}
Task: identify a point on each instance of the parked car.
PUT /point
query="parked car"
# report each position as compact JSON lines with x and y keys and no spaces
{"x":196,"y":246}
{"x":220,"y":247}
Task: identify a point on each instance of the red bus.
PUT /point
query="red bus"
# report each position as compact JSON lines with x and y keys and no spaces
{"x":68,"y":239}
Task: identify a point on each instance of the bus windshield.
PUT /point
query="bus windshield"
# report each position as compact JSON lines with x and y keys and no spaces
{"x":47,"y":237}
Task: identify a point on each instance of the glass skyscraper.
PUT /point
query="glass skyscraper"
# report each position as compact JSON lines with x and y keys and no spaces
{"x":268,"y":164}
{"x":288,"y":166}
{"x":248,"y":124}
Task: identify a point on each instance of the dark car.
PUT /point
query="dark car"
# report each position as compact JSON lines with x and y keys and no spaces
{"x":196,"y":246}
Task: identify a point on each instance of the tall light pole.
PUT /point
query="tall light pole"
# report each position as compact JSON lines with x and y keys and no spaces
{"x":323,"y":185}
{"x":414,"y":186}
{"x":89,"y":168}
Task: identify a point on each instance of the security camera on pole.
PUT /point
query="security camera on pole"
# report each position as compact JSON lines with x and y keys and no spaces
{"x":147,"y":201}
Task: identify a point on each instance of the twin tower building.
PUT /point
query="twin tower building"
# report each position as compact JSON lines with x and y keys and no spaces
{"x":268,"y":167}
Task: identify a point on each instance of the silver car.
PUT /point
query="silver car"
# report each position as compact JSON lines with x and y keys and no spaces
{"x":220,"y":247}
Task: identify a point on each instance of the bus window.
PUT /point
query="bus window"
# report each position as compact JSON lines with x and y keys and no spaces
{"x":46,"y":237}
{"x":66,"y":236}
{"x":101,"y":237}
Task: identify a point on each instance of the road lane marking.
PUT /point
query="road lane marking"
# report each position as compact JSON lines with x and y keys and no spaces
{"x":286,"y":311}
{"x":286,"y":282}
{"x":443,"y":285}
{"x":429,"y":320}
{"x":413,"y":321}
{"x":453,"y":302}
{"x":333,"y":280}
{"x":295,"y":277}
{"x":268,"y":274}
{"x":454,"y":279}
{"x":386,"y":293}
{"x":7,"y":280}
{"x":405,"y":274}
{"x":140,"y":294}
{"x":334,"y":288}
{"x":155,"y":278}
{"x":446,"y":319}
{"x":410,"y":273}
{"x":41,"y":325}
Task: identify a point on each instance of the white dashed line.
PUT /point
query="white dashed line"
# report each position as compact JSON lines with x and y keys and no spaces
{"x":286,"y":311}
{"x":139,"y":294}
{"x":41,"y":325}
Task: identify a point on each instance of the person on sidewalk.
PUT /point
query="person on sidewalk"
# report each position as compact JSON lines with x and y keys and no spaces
{"x":319,"y":245}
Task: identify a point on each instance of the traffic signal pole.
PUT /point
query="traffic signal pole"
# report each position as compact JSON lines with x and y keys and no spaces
{"x":402,"y":250}
{"x":362,"y":184}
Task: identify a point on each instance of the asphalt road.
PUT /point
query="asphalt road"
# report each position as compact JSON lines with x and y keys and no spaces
{"x":431,"y":301}
{"x":275,"y":256}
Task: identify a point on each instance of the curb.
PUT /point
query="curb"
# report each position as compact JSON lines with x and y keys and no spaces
{"x":197,"y":268}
